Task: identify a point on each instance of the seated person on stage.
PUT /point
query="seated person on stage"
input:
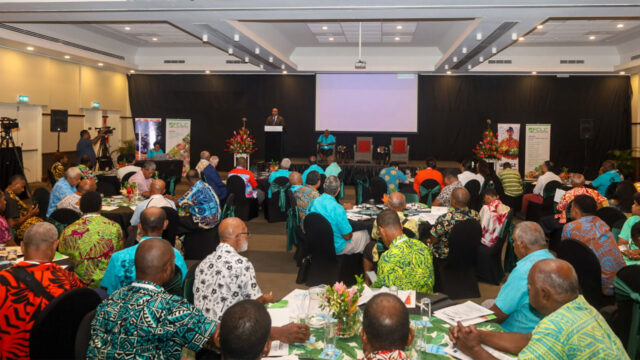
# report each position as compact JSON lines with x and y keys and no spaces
{"x":511,"y":180}
{"x":157,"y":198}
{"x":313,"y":166}
{"x":60,"y":162}
{"x":73,"y":201}
{"x":295,"y":179}
{"x":493,"y":215}
{"x":452,"y":183}
{"x":326,"y":143}
{"x":202,"y":202}
{"x":595,"y":233}
{"x":467,"y":173}
{"x":306,"y":194}
{"x":244,"y":331}
{"x":143,"y":177}
{"x":548,"y":175}
{"x":407,"y":264}
{"x":6,"y":237}
{"x":283,"y":171}
{"x":570,"y":329}
{"x":20,"y":305}
{"x":333,"y":169}
{"x":625,"y":234}
{"x":85,"y":169}
{"x":608,"y":175}
{"x":65,"y":186}
{"x":346,"y":241}
{"x":393,"y":177}
{"x":155,"y":151}
{"x":142,"y":320}
{"x":251,"y":185}
{"x":459,"y":212}
{"x":131,"y":160}
{"x":91,"y":241}
{"x":429,"y":173}
{"x":386,"y":330}
{"x":121,"y":270}
{"x":511,"y":307}
{"x":205,"y":158}
{"x":18,"y":214}
{"x":210,"y":176}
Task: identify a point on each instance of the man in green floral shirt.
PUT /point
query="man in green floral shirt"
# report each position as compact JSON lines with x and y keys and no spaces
{"x":459,"y":212}
{"x":407,"y":264}
{"x":91,"y":241}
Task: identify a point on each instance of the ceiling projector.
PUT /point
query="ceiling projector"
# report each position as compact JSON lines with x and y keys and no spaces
{"x":361,"y":65}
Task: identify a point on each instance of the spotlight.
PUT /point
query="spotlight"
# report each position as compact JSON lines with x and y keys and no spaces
{"x":399,"y":27}
{"x":67,"y":57}
{"x":100,"y":64}
{"x":30,"y":48}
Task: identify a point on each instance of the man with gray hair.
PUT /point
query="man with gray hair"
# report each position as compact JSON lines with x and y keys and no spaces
{"x":570,"y":329}
{"x":283,"y":171}
{"x":64,"y":187}
{"x":210,"y":175}
{"x":73,"y":201}
{"x":204,"y":161}
{"x":143,"y":178}
{"x":346,"y":241}
{"x":439,"y":242}
{"x":511,"y":307}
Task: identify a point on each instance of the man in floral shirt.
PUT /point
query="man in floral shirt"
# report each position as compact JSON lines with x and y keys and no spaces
{"x":306,"y":194}
{"x":440,"y":231}
{"x":386,"y":331}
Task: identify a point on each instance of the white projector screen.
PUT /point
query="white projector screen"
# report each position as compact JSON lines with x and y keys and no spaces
{"x":367,"y":102}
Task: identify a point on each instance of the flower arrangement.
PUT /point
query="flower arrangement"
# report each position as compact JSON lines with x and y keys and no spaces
{"x":241,"y":142}
{"x":129,"y":189}
{"x":487,"y":148}
{"x":273,"y":166}
{"x":565,"y":174}
{"x":535,"y":173}
{"x":342,"y":303}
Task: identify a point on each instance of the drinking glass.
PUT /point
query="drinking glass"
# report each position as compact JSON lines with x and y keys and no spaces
{"x":425,"y":308}
{"x":301,"y":301}
{"x":330,"y":337}
{"x":393,"y":290}
{"x":316,"y":317}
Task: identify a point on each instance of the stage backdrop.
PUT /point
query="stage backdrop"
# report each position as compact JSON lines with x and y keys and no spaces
{"x":452,"y":111}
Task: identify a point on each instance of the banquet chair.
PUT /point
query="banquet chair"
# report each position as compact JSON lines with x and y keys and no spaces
{"x":408,"y":192}
{"x":83,"y":336}
{"x":64,"y":216}
{"x":171,"y":231}
{"x":200,"y":243}
{"x":361,"y":183}
{"x":626,"y":322}
{"x":126,"y":177}
{"x":429,"y":191}
{"x":107,"y":189}
{"x":587,"y":266}
{"x":610,"y":215}
{"x":363,"y":149}
{"x":611,"y":190}
{"x":325,"y":266}
{"x":41,"y":198}
{"x":399,"y":149}
{"x":475,"y":202}
{"x":229,"y":208}
{"x":489,"y":259}
{"x":456,"y":275}
{"x":246,"y":208}
{"x":54,"y":331}
{"x":378,"y":189}
{"x":275,"y":208}
{"x":189,"y":280}
{"x":535,"y":211}
{"x":52,"y":179}
{"x":293,"y":222}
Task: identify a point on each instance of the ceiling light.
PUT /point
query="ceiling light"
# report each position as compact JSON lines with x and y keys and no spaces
{"x":207,"y":72}
{"x":448,"y":72}
{"x":325,"y":27}
{"x":67,"y":57}
{"x":230,"y":51}
{"x":622,"y":73}
{"x":284,"y":72}
{"x":521,"y":38}
{"x":100,"y":64}
{"x":494,"y":50}
{"x":514,"y":36}
{"x":154,"y":39}
{"x":282,"y":66}
{"x":257,"y":50}
{"x":534,"y":72}
{"x":261,"y":66}
{"x":539,"y":26}
{"x":246,"y":59}
{"x":446,"y":67}
{"x":481,"y":59}
{"x":132,"y":71}
{"x":127,"y":28}
{"x":397,"y":38}
{"x":592,"y":37}
{"x":455,"y":59}
{"x":399,"y":27}
{"x":205,"y":37}
{"x":464,"y":50}
{"x":270,"y":58}
{"x":331,"y":39}
{"x":469,"y":66}
{"x":620,"y":26}
{"x":236,"y":37}
{"x":30,"y":48}
{"x":479,"y":36}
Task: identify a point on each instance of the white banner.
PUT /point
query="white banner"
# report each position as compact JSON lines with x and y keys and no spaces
{"x":538,"y":138}
{"x":509,"y":145}
{"x":148,"y":131}
{"x":178,"y":141}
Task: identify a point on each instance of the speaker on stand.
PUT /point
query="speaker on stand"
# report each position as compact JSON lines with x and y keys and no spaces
{"x":59,"y":123}
{"x":587,"y":133}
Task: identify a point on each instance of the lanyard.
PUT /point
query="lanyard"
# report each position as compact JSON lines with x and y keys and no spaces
{"x":146,"y":286}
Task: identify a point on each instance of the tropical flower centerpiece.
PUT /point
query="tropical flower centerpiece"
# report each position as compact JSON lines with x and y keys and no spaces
{"x":342,"y":303}
{"x":564,"y":174}
{"x":488,"y":148}
{"x":129,"y":189}
{"x":242,"y":142}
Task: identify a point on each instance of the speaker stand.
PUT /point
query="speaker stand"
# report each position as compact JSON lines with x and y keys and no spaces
{"x":58,"y":150}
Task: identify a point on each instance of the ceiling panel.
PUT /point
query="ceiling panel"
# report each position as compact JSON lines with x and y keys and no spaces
{"x":583,"y":32}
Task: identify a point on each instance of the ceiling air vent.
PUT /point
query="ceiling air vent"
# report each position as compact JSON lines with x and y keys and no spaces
{"x":499,"y":61}
{"x":235,"y":62}
{"x":571,"y":61}
{"x":174,"y":61}
{"x":635,"y":57}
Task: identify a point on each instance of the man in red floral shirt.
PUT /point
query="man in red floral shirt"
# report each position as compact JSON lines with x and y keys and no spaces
{"x":385,"y":328}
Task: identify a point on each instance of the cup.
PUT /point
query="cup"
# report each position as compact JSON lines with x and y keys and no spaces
{"x":425,"y":308}
{"x":330,"y":337}
{"x":301,"y":301}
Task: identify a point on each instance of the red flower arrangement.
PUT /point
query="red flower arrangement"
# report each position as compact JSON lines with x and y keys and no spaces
{"x":241,"y":142}
{"x":488,"y":148}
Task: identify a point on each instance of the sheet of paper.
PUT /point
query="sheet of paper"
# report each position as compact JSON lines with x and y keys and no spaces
{"x":408,"y":297}
{"x":372,"y":276}
{"x":460,"y":355}
{"x":278,"y":349}
{"x":109,"y":207}
{"x":462,"y":312}
{"x":558,"y":196}
{"x":279,"y":317}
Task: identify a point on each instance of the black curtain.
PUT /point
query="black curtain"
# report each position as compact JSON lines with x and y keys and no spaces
{"x":452,"y":112}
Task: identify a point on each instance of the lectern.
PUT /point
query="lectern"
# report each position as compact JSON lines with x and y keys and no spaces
{"x":273,"y":143}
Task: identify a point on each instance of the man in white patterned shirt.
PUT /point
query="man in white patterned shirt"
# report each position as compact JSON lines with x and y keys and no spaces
{"x":225,"y":277}
{"x":204,"y":161}
{"x":73,"y":201}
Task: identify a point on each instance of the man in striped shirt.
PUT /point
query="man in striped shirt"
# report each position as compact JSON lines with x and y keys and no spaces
{"x":511,"y":180}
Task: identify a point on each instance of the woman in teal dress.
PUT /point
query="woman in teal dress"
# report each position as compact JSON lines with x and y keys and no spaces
{"x":155,"y":151}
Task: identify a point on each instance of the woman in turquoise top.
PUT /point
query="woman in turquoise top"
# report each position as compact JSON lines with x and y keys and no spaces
{"x":155,"y":151}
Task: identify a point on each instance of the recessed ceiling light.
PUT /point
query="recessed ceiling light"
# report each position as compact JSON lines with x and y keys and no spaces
{"x":132,"y":71}
{"x":331,"y":39}
{"x":284,"y":71}
{"x":207,"y":72}
{"x":30,"y":48}
{"x":67,"y":57}
{"x":100,"y":64}
{"x":397,"y":38}
{"x":622,"y":73}
{"x":127,"y":28}
{"x":270,"y":58}
{"x":399,"y":27}
{"x":521,"y":38}
{"x":282,"y":67}
{"x":534,"y":72}
{"x":448,"y":72}
{"x":620,"y":26}
{"x":325,"y":27}
{"x":539,"y":26}
{"x":154,"y":39}
{"x":592,"y":37}
{"x":236,"y":37}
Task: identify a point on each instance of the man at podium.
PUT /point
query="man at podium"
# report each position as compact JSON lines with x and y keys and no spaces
{"x":274,"y":119}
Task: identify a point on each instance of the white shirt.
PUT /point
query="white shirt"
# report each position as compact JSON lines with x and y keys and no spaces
{"x":201,"y":165}
{"x":543,"y":180}
{"x":70,"y":202}
{"x":467,"y":176}
{"x":125,"y":170}
{"x":156,"y":200}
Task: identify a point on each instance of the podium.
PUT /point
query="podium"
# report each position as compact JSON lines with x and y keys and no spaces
{"x":273,"y":143}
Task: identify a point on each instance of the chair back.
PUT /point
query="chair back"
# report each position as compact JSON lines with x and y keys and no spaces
{"x":83,"y":336}
{"x":200,"y":243}
{"x":107,"y":189}
{"x":399,"y":145}
{"x":54,"y":331}
{"x":189,"y":280}
{"x":229,"y":209}
{"x":429,"y":190}
{"x":464,"y":240}
{"x":550,"y":188}
{"x":611,"y":190}
{"x":319,"y":237}
{"x":626,"y":323}
{"x":245,"y":209}
{"x":126,"y":176}
{"x":171,"y":231}
{"x":587,"y":266}
{"x":65,"y":216}
{"x":378,"y":188}
{"x":52,"y":179}
{"x":41,"y":198}
{"x":364,"y":144}
{"x":611,"y":216}
{"x":473,"y":186}
{"x":236,"y":186}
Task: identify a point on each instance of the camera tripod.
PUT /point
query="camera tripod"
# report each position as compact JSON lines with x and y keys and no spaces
{"x":6,"y":141}
{"x":104,"y":160}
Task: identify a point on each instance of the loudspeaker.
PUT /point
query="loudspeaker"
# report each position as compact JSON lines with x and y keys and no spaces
{"x":59,"y":120}
{"x":586,"y":129}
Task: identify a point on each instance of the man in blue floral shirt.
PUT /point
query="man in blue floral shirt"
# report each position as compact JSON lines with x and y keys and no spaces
{"x":202,"y":202}
{"x":460,"y":212}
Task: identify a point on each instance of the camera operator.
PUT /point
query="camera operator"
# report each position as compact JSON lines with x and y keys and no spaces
{"x":85,"y":146}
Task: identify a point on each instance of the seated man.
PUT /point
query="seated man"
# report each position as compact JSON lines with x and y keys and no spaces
{"x":570,"y":329}
{"x":295,"y":179}
{"x":73,"y":201}
{"x":385,"y":329}
{"x":625,"y":234}
{"x":393,"y":177}
{"x":121,"y":270}
{"x":143,"y":178}
{"x":326,"y":143}
{"x":85,"y":168}
{"x":306,"y":194}
{"x":460,"y":212}
{"x":20,"y":304}
{"x":429,"y":173}
{"x":64,"y":187}
{"x":60,"y":162}
{"x":493,"y":215}
{"x":313,"y":166}
{"x":202,"y":202}
{"x":451,"y":182}
{"x":511,"y":180}
{"x":90,"y":241}
{"x":333,"y":169}
{"x":144,"y":321}
{"x":548,"y":175}
{"x":407,"y":264}
{"x":608,"y":175}
{"x":6,"y":237}
{"x":251,"y":185}
{"x":595,"y":233}
{"x":18,"y":214}
{"x":156,"y":198}
{"x":511,"y":307}
{"x":346,"y":241}
{"x":130,"y":168}
{"x":244,"y":331}
{"x":204,"y":161}
{"x":283,"y":171}
{"x":210,"y":176}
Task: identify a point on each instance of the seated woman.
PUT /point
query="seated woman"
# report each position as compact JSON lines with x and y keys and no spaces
{"x":155,"y":151}
{"x":85,"y":169}
{"x":5,"y":230}
{"x":493,"y":215}
{"x":59,"y":165}
{"x":19,"y":215}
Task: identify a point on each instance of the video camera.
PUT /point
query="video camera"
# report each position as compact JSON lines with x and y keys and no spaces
{"x":108,"y":130}
{"x":8,"y":124}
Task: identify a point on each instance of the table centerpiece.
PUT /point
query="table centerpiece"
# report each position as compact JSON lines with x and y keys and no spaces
{"x":342,"y":303}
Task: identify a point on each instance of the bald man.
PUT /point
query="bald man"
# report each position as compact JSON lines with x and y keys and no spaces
{"x":295,"y":179}
{"x":457,"y":213}
{"x":211,"y":176}
{"x":156,"y":198}
{"x":570,"y":329}
{"x":204,"y":161}
{"x":122,"y":327}
{"x":385,"y":328}
{"x":73,"y":201}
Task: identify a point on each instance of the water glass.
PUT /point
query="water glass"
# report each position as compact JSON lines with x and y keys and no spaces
{"x":330,"y":337}
{"x":301,"y":301}
{"x":425,"y":308}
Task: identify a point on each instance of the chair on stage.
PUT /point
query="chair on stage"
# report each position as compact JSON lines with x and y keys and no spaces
{"x":363,"y":149}
{"x":275,"y":207}
{"x":245,"y":208}
{"x":587,"y":266}
{"x":333,"y":149}
{"x":399,"y":149}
